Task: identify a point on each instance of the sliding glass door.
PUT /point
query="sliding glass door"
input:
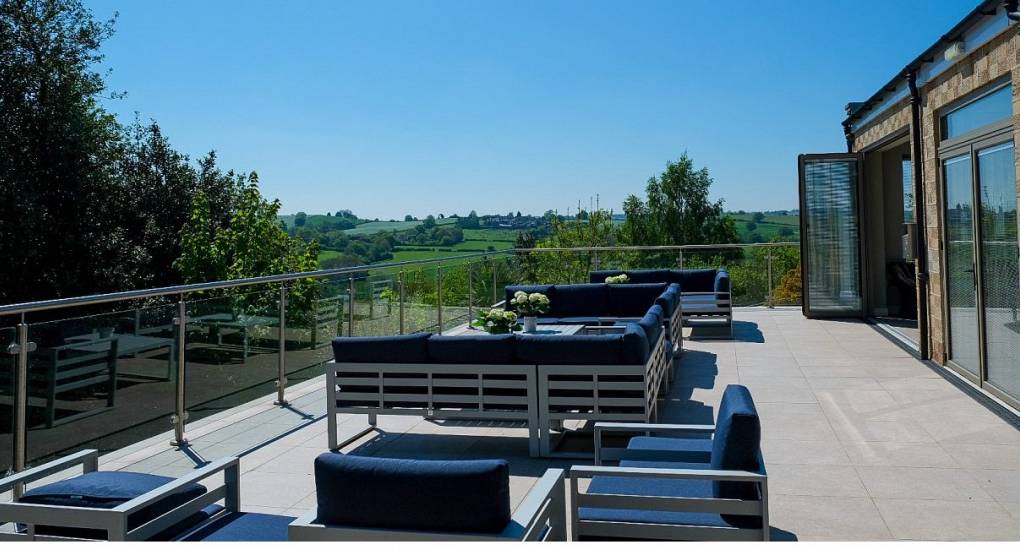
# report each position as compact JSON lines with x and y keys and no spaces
{"x":961,"y":264}
{"x":999,"y":265}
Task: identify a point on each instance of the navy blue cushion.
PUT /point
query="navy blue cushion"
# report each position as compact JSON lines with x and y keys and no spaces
{"x":722,"y":284}
{"x":509,"y":291}
{"x":579,"y":301}
{"x":652,"y":324}
{"x":244,"y":526}
{"x":428,"y":495}
{"x":632,"y":300}
{"x":406,"y":348}
{"x":635,"y":349}
{"x":669,"y":300}
{"x":671,"y":449}
{"x":600,"y":276}
{"x":577,"y":349}
{"x":737,"y":441}
{"x":652,"y":487}
{"x":698,"y":280}
{"x":109,"y":490}
{"x":497,"y":349}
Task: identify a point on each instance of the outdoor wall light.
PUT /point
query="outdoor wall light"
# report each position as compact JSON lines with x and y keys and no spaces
{"x":955,"y":50}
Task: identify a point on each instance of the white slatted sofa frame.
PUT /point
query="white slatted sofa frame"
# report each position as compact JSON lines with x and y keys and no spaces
{"x":541,"y":517}
{"x":708,"y":305}
{"x":115,"y":520}
{"x":486,"y":403}
{"x":654,"y":377}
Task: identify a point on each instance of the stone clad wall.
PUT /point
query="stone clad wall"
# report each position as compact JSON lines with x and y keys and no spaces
{"x":970,"y":75}
{"x":897,"y":119}
{"x":980,"y":68}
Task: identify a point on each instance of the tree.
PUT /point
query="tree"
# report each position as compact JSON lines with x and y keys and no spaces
{"x":758,"y":217}
{"x":677,"y":210}
{"x":300,"y":219}
{"x":751,"y":226}
{"x":430,"y":221}
{"x":408,"y":218}
{"x":58,"y":228}
{"x":252,"y":244}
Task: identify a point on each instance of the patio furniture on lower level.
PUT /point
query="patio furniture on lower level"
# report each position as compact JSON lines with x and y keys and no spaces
{"x":58,"y":370}
{"x":388,"y":499}
{"x":120,"y":506}
{"x":661,"y":491}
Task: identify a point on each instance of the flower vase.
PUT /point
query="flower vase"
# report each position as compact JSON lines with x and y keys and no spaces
{"x":530,"y":324}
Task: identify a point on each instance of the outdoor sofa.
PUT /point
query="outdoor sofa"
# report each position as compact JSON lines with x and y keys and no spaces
{"x":600,"y":304}
{"x":617,"y":374}
{"x":705,"y":298}
{"x":710,"y":485}
{"x":391,"y":499}
{"x":131,"y":506}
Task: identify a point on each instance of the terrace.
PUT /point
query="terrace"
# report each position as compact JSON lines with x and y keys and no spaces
{"x":861,"y":440}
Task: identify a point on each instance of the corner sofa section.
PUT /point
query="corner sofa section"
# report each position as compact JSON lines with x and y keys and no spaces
{"x":705,"y":296}
{"x":499,"y":377}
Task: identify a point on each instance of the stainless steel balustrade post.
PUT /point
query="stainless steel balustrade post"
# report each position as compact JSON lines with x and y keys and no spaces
{"x":770,"y":300}
{"x":680,"y":259}
{"x":281,"y":362}
{"x":595,"y":253}
{"x":350,"y":306}
{"x":400,"y":283}
{"x":180,"y":414}
{"x":439,"y":298}
{"x":471,"y":293}
{"x":495,"y":295}
{"x":21,"y":348}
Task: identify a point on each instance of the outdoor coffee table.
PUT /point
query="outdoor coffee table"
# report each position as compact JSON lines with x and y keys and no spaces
{"x":467,"y":330}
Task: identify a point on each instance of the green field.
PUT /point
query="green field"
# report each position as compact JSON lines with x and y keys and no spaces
{"x":368,"y":228}
{"x":768,"y":228}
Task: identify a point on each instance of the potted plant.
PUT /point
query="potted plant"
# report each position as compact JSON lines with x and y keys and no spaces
{"x":530,"y":306}
{"x":618,"y":279}
{"x":496,"y":321}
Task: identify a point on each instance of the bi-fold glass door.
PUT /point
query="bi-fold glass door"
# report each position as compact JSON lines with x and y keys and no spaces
{"x":983,"y":261}
{"x":830,"y":235}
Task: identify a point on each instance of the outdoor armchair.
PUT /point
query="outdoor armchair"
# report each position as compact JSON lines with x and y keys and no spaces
{"x":679,"y":488}
{"x":120,"y":506}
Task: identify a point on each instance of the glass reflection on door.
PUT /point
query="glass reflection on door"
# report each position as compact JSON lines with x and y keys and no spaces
{"x":964,"y":347}
{"x":1000,"y":270}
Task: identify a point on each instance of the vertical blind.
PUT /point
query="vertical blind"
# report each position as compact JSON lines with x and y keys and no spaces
{"x":832,"y":236}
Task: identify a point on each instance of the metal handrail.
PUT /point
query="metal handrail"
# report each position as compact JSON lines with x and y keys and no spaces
{"x":92,"y":299}
{"x":23,"y":346}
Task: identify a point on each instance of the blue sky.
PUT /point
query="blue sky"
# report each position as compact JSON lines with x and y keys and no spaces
{"x":390,"y":108}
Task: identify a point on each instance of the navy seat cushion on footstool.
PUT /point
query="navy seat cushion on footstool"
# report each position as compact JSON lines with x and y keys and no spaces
{"x":406,"y":348}
{"x":575,"y":349}
{"x":698,"y":280}
{"x":427,"y":495}
{"x":109,"y":490}
{"x":495,"y":349}
{"x":244,"y":526}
